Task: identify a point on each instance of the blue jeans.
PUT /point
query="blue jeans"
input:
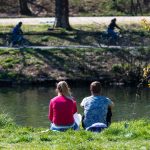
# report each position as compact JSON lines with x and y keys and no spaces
{"x":112,"y":33}
{"x":63,"y":128}
{"x":97,"y":127}
{"x":16,"y":38}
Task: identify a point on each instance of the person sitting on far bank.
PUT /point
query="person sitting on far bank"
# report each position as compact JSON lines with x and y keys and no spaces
{"x":17,"y":33}
{"x":111,"y":29}
{"x":63,"y":109}
{"x":97,"y":109}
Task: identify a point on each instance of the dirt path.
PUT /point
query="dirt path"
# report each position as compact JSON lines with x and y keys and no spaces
{"x":75,"y":20}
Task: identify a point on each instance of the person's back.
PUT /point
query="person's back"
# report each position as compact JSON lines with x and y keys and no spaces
{"x":95,"y":109}
{"x":17,"y":29}
{"x":112,"y":25}
{"x":17,"y":34}
{"x":63,"y":110}
{"x":95,"y":106}
{"x":111,"y":28}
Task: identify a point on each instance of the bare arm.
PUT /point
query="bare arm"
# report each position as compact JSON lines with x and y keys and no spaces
{"x":111,"y":105}
{"x":82,"y":103}
{"x":50,"y":114}
{"x":118,"y":27}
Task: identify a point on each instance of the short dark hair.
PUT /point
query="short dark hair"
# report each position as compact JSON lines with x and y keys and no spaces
{"x":95,"y":87}
{"x":20,"y":23}
{"x":113,"y":20}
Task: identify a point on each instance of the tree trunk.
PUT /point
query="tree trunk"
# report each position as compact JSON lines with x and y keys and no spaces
{"x":146,"y":2}
{"x":24,"y":10}
{"x":139,"y":7}
{"x":115,"y":4}
{"x":132,"y":8}
{"x":62,"y":14}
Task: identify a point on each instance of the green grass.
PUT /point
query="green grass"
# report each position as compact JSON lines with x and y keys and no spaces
{"x":117,"y":137}
{"x":82,"y":35}
{"x":25,"y":28}
{"x":89,"y":27}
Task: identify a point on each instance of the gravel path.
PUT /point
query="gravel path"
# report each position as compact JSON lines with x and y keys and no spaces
{"x":74,"y":47}
{"x":75,"y":20}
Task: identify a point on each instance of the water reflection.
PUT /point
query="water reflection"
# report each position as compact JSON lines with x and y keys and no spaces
{"x":29,"y":106}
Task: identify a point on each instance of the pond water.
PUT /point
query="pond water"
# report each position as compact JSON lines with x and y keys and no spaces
{"x":29,"y":106}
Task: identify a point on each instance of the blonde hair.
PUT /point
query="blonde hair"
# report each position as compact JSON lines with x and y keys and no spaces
{"x":63,"y":88}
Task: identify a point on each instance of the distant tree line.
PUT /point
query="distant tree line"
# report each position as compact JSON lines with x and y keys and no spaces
{"x":61,"y":8}
{"x":132,"y":7}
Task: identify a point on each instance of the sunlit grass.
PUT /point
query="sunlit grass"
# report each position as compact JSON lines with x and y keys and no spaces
{"x":90,"y":27}
{"x":39,"y":35}
{"x":25,"y":28}
{"x":117,"y":136}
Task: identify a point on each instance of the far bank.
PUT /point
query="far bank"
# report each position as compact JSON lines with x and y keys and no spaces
{"x":38,"y":66}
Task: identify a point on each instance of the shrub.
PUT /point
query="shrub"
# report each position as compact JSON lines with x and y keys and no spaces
{"x":5,"y":120}
{"x":117,"y":68}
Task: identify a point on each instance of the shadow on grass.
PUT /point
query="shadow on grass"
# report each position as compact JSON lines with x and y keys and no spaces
{"x":64,"y":61}
{"x":85,"y":37}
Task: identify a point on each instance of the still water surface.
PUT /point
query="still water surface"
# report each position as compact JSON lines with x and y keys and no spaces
{"x":29,"y":106}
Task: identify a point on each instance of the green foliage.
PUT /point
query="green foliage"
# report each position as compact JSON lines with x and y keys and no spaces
{"x":145,"y":24}
{"x":46,"y":137}
{"x":5,"y":121}
{"x":45,"y":39}
{"x":21,"y":138}
{"x":146,"y":74}
{"x":121,"y":68}
{"x":117,"y":68}
{"x":9,"y":62}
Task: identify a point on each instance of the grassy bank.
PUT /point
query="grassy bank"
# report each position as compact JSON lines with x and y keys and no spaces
{"x":132,"y":35}
{"x":124,"y":64}
{"x":108,"y":65}
{"x":118,"y":136}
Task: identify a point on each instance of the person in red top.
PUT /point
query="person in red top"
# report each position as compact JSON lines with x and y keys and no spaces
{"x":62,"y":109}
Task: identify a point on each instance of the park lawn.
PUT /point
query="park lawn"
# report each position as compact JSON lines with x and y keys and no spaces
{"x":129,"y":135}
{"x":134,"y":35}
{"x":139,"y":27}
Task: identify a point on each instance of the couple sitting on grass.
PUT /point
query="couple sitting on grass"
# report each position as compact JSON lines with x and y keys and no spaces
{"x":63,"y":110}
